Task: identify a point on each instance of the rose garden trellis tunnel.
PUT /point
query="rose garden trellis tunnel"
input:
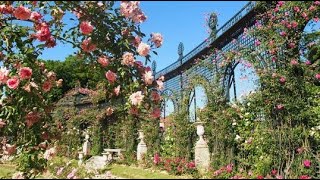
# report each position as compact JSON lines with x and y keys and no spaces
{"x":177,"y":75}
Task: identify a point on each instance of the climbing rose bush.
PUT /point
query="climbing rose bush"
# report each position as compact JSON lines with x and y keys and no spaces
{"x":30,"y":27}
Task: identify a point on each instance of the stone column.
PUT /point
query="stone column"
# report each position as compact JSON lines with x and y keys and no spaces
{"x":202,"y":154}
{"x":142,"y":147}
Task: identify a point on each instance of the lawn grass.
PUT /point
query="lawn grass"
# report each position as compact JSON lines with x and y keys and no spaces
{"x":7,"y":170}
{"x":139,"y":173}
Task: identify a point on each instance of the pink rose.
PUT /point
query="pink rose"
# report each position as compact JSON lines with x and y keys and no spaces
{"x":136,"y":41}
{"x":88,"y":46}
{"x":294,"y":24}
{"x":257,"y":42}
{"x":117,"y":90}
{"x":312,"y":8}
{"x":143,"y":49}
{"x":46,"y":86}
{"x":134,"y":111}
{"x":50,"y":153}
{"x":280,"y":106}
{"x":136,"y":98}
{"x":18,"y":175}
{"x":25,"y":73}
{"x":304,"y":177}
{"x":148,"y":77}
{"x":13,"y":83}
{"x":283,"y":33}
{"x":9,"y":149}
{"x":51,"y":42}
{"x":157,"y":39}
{"x":35,"y":16}
{"x":2,"y":123}
{"x":160,"y":85}
{"x":31,"y":118}
{"x":111,"y":76}
{"x":316,"y":2}
{"x":229,"y":168}
{"x":71,"y":175}
{"x":296,"y":9}
{"x":282,"y":80}
{"x":156,"y":113}
{"x":103,"y":60}
{"x":260,"y":177}
{"x":22,"y":13}
{"x":59,"y":172}
{"x":308,"y":62}
{"x":86,"y":27}
{"x":317,"y":76}
{"x":128,"y":59}
{"x":279,"y":177}
{"x":307,"y":163}
{"x":274,"y":172}
{"x":156,"y":158}
{"x":109,"y":111}
{"x":155,"y":96}
{"x":4,"y":72}
{"x":294,"y":62}
{"x":43,"y":32}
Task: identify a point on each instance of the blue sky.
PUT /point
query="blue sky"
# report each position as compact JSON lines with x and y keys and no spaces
{"x":177,"y":21}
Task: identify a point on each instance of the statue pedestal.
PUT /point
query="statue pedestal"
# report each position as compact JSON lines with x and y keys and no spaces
{"x":202,"y":154}
{"x":142,"y":147}
{"x":86,"y":146}
{"x":80,"y":158}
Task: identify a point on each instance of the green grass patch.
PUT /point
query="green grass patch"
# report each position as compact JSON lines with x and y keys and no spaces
{"x":7,"y":170}
{"x":139,"y":173}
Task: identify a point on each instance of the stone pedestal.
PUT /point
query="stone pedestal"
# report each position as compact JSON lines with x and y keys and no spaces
{"x":80,"y":158}
{"x":202,"y":154}
{"x":86,"y":146}
{"x":142,"y":147}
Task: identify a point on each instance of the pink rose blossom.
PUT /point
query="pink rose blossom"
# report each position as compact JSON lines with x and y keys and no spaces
{"x":47,"y":86}
{"x":155,"y":96}
{"x":136,"y":41}
{"x":111,"y":76}
{"x":88,"y":46}
{"x":294,"y":62}
{"x":86,"y":27}
{"x":71,"y":175}
{"x":229,"y":168}
{"x":260,"y":177}
{"x":13,"y":83}
{"x":25,"y":73}
{"x":136,"y":98}
{"x":31,"y":118}
{"x":274,"y":172}
{"x":2,"y":123}
{"x":296,"y":9}
{"x":9,"y":149}
{"x":257,"y":42}
{"x":6,"y":9}
{"x":109,"y":111}
{"x":35,"y":16}
{"x":300,"y":150}
{"x":103,"y":60}
{"x":316,"y":19}
{"x":280,"y":107}
{"x":304,"y":177}
{"x":317,"y":76}
{"x":4,"y":72}
{"x":156,"y":158}
{"x":282,"y":80}
{"x":43,"y":32}
{"x":128,"y":59}
{"x":316,"y":2}
{"x":308,"y":62}
{"x":160,"y":85}
{"x":304,"y":15}
{"x":156,"y":113}
{"x":134,"y":111}
{"x":161,"y":78}
{"x":279,"y":177}
{"x":294,"y":24}
{"x":22,"y":13}
{"x":59,"y":172}
{"x":283,"y":33}
{"x":280,"y":3}
{"x":51,"y":42}
{"x":312,"y":8}
{"x":157,"y":39}
{"x":50,"y":153}
{"x":117,"y":90}
{"x":148,"y":77}
{"x":307,"y":163}
{"x":143,"y":49}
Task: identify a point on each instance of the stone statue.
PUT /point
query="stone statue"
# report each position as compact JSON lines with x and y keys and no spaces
{"x":212,"y":23}
{"x":86,"y":146}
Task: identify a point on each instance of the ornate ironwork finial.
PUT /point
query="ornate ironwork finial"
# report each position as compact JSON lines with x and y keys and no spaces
{"x":180,"y":49}
{"x":212,"y":23}
{"x":154,"y":66}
